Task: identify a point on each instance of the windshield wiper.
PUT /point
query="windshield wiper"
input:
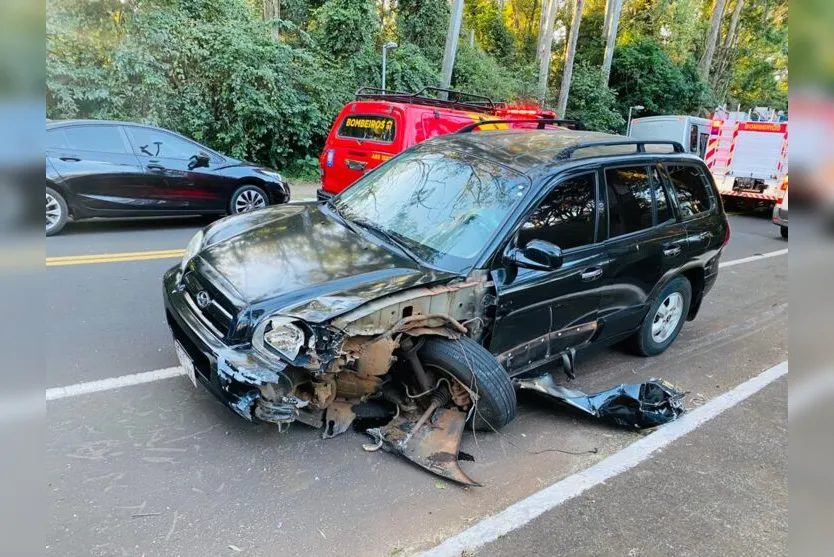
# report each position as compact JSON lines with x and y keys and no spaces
{"x":394,"y":240}
{"x":350,"y":226}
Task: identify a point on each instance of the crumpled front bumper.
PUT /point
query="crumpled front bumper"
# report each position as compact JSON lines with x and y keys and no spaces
{"x":237,"y":375}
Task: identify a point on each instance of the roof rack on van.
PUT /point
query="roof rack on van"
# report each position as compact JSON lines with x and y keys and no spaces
{"x":540,"y":123}
{"x":640,"y":146}
{"x":427,"y":96}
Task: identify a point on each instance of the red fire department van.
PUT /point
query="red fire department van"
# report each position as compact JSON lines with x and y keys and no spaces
{"x":378,"y":125}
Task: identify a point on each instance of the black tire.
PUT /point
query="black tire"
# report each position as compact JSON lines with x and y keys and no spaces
{"x":241,"y":193}
{"x":784,"y":231}
{"x":56,"y":202}
{"x":471,"y":364}
{"x":644,"y":342}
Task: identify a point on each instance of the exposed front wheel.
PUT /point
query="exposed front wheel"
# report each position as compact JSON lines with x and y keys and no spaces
{"x":477,"y":372}
{"x":56,"y":212}
{"x":784,"y":231}
{"x":665,"y":319}
{"x":247,"y":198}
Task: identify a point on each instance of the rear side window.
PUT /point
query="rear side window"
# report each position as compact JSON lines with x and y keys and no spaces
{"x":104,"y":139}
{"x":566,"y":218}
{"x":368,"y":127}
{"x":691,"y":189}
{"x":629,"y":193}
{"x":149,"y":142}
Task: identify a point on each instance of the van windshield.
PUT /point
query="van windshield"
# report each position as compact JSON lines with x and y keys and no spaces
{"x":445,"y":207}
{"x":368,"y":127}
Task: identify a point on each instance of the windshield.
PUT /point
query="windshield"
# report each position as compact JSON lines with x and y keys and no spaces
{"x":445,"y":207}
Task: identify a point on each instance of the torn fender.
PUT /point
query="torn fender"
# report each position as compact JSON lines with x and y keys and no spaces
{"x":638,"y":405}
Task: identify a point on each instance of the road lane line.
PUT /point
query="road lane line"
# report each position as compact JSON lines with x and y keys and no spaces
{"x":758,"y":257}
{"x":113,"y":383}
{"x":518,"y":515}
{"x":113,"y":257}
{"x":149,"y":376}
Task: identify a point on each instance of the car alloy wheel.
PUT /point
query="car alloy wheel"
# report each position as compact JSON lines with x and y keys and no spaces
{"x":667,"y":317}
{"x":53,"y":212}
{"x":249,"y":200}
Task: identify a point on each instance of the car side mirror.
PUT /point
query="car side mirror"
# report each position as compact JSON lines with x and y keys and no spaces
{"x":537,"y":254}
{"x":199,"y":160}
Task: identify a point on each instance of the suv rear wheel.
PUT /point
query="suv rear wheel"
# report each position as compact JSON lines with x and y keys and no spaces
{"x":665,"y":319}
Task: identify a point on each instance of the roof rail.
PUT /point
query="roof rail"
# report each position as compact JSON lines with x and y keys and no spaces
{"x":540,"y":123}
{"x":640,"y":145}
{"x":455,"y":99}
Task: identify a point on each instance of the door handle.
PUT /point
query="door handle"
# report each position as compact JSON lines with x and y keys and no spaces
{"x":671,"y":251}
{"x":153,"y":167}
{"x":69,"y":158}
{"x":355,"y":165}
{"x":591,"y":274}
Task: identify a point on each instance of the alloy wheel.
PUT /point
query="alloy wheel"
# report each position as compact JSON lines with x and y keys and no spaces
{"x":249,"y":200}
{"x":667,"y":317}
{"x":53,"y":212}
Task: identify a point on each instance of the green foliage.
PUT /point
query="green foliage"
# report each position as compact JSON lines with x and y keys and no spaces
{"x":643,"y":74}
{"x":477,"y":72}
{"x":423,"y":23}
{"x":492,"y":34}
{"x":343,"y":28}
{"x":591,"y":102}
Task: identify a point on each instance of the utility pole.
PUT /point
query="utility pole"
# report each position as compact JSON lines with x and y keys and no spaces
{"x":451,"y":48}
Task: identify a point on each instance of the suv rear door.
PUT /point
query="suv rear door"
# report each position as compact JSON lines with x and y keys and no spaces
{"x":696,"y":202}
{"x":646,"y":243}
{"x":540,"y":313}
{"x":359,"y":143}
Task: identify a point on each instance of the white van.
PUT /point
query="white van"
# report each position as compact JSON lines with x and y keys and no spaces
{"x":690,"y":131}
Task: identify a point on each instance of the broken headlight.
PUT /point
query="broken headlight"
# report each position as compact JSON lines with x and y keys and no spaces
{"x":279,"y":334}
{"x":193,"y":247}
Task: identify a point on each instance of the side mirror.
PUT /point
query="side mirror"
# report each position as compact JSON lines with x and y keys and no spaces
{"x":199,"y":160}
{"x":537,"y":254}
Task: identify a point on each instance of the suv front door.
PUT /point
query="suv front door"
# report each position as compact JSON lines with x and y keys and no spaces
{"x":645,"y":244}
{"x":542,"y":312}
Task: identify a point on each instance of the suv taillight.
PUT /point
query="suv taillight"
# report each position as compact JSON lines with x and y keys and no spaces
{"x":726,"y":234}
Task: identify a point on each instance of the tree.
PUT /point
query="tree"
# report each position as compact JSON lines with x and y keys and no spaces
{"x":546,"y":45}
{"x":564,"y":90}
{"x":712,"y":38}
{"x":423,"y":23}
{"x":592,"y":102}
{"x":612,"y":23}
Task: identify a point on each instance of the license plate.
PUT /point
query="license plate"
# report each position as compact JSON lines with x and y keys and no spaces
{"x":186,"y":362}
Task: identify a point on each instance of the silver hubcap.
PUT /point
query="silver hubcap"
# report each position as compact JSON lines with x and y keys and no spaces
{"x":53,"y":212}
{"x":667,"y":317}
{"x":249,"y":200}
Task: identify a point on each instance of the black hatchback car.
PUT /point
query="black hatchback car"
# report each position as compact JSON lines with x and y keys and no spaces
{"x":434,"y":281}
{"x":99,"y":168}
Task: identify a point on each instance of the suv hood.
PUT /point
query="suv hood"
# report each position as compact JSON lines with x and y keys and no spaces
{"x":297,"y":260}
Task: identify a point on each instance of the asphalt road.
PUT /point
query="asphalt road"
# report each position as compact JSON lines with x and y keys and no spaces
{"x":162,"y":469}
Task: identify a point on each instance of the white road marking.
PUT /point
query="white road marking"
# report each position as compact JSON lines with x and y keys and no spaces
{"x":752,"y":258}
{"x":156,"y":375}
{"x":523,"y":512}
{"x":113,"y":383}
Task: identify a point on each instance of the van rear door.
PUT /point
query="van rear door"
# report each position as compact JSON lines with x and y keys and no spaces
{"x":359,"y":143}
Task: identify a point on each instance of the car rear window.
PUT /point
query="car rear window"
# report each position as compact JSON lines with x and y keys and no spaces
{"x":368,"y":127}
{"x":104,"y":139}
{"x":691,"y":189}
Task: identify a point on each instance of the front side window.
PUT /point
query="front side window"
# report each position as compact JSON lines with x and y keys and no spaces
{"x":104,"y":139}
{"x":444,"y":206}
{"x":629,"y":194}
{"x":567,"y":216}
{"x":368,"y":127}
{"x":156,"y":144}
{"x":691,"y":189}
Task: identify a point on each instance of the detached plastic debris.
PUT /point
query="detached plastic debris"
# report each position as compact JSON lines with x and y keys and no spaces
{"x":639,"y":405}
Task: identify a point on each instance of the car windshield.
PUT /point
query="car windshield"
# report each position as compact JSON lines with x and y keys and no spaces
{"x":444,"y":207}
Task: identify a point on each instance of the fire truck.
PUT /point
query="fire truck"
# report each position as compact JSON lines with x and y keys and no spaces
{"x":748,"y":158}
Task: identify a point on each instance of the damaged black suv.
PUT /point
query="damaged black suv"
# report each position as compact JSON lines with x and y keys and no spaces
{"x":417,"y":296}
